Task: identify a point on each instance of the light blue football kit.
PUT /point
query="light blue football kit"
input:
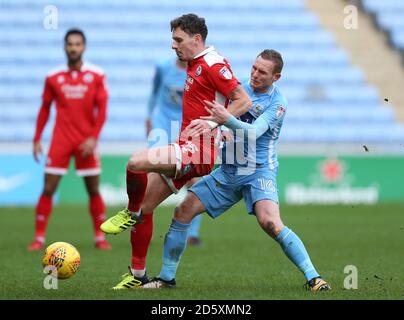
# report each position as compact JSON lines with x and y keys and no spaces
{"x":249,"y":173}
{"x":165,"y":103}
{"x":250,"y":164}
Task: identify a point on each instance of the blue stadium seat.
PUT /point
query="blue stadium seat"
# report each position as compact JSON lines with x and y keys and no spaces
{"x":329,"y":99}
{"x":389,"y":17}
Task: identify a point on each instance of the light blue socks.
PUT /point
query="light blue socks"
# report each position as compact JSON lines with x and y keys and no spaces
{"x":296,"y":252}
{"x":195,"y":225}
{"x":174,"y":245}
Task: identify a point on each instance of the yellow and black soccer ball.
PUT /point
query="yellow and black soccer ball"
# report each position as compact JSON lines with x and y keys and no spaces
{"x":63,"y":257}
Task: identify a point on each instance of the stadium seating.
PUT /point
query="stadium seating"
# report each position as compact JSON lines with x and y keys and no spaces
{"x":329,"y":99}
{"x":388,"y":16}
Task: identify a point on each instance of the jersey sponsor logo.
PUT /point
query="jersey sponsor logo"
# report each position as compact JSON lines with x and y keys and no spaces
{"x":74,"y":91}
{"x":225,"y":72}
{"x":60,"y":79}
{"x":198,"y":71}
{"x":280,"y":112}
{"x":189,"y":147}
{"x":88,"y":78}
{"x":188,"y":82}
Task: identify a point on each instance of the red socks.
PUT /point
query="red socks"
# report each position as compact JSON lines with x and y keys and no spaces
{"x":44,"y":209}
{"x":42,"y":213}
{"x":97,"y":210}
{"x":136,"y":183}
{"x":140,"y":239}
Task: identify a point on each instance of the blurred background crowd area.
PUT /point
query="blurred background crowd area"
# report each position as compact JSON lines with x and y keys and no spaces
{"x":343,"y":80}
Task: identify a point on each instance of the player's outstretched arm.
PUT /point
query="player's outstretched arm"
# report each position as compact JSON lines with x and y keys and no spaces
{"x":241,"y":102}
{"x":220,"y":115}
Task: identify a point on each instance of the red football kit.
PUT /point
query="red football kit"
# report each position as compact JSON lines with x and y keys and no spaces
{"x":81,"y":103}
{"x":209,"y":77}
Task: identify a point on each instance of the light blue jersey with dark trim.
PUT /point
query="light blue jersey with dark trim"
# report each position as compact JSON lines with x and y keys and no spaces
{"x":265,"y":119}
{"x":165,"y":102}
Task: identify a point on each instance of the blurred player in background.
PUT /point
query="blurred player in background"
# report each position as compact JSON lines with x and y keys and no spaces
{"x":253,"y":180}
{"x":165,"y":116}
{"x":154,"y":174}
{"x":80,"y":95}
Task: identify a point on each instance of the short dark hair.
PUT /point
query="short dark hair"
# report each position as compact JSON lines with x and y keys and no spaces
{"x":191,"y":24}
{"x":75,"y":31}
{"x":275,"y":57}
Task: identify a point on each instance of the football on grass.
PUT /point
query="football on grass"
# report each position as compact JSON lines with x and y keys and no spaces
{"x":63,"y":259}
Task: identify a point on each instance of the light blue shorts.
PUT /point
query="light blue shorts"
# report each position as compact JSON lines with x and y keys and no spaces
{"x":225,"y":186}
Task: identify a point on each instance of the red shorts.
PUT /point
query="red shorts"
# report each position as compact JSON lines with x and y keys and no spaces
{"x":192,"y":161}
{"x":59,"y":156}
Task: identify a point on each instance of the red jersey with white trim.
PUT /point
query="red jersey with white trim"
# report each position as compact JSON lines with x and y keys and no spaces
{"x":81,"y":102}
{"x":209,"y":77}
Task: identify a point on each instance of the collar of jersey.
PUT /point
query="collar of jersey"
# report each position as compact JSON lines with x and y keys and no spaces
{"x":207,"y":50}
{"x":84,"y":67}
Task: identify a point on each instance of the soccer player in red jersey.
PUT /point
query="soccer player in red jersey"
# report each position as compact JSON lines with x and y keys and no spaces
{"x":80,"y":95}
{"x":153,"y":174}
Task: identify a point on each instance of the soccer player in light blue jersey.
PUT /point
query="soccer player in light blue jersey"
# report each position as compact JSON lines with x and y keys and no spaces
{"x":248,"y":171}
{"x":165,"y":114}
{"x":165,"y":102}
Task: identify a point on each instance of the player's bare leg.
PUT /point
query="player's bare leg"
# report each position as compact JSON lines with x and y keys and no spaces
{"x":157,"y":191}
{"x":43,"y":211}
{"x":159,"y":160}
{"x":97,"y":210}
{"x":268,"y":216}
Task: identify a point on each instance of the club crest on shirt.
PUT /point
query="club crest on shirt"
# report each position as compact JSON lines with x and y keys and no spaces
{"x":88,"y":77}
{"x":257,"y":109}
{"x":198,"y":71}
{"x":225,"y":72}
{"x":60,"y":79}
{"x":280,"y":112}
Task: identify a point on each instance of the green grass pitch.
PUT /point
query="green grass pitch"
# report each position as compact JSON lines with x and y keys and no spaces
{"x":237,"y":261}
